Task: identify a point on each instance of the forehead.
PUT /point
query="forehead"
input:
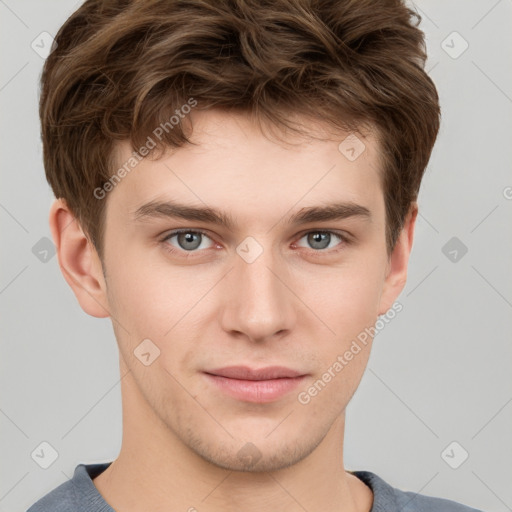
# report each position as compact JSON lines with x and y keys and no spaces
{"x":235,"y":166}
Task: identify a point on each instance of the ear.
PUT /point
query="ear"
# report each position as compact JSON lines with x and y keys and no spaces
{"x":78,"y":260}
{"x":396,"y":273}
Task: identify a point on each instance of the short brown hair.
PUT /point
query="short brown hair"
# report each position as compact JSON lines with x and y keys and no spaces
{"x":120,"y":68}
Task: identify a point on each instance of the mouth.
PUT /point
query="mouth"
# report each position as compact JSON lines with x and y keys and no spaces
{"x":262,"y":385}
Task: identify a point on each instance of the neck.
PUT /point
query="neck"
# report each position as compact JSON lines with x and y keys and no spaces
{"x":156,"y":471}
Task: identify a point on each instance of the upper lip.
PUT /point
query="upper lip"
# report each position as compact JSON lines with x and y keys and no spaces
{"x":246,"y":373}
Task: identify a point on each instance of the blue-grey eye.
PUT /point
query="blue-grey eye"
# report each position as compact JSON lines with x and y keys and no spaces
{"x":320,"y":240}
{"x":188,"y":240}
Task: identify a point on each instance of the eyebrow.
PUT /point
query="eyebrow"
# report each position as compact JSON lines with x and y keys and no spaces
{"x":173,"y":209}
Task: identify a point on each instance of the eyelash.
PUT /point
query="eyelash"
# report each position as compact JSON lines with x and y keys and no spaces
{"x":190,"y":254}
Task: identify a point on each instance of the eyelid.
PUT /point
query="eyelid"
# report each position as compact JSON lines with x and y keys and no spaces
{"x":186,"y":230}
{"x":342,"y":235}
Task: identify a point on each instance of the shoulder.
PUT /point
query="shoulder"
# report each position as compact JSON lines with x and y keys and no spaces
{"x":412,"y":502}
{"x":388,"y":498}
{"x":77,"y":494}
{"x":60,"y":499}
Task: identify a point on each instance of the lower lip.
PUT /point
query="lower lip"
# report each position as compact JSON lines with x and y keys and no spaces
{"x":258,"y":391}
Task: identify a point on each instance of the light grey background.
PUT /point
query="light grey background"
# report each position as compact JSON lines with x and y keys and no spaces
{"x":439,"y":372}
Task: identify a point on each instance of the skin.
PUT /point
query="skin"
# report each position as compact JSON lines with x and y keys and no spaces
{"x":296,"y":305}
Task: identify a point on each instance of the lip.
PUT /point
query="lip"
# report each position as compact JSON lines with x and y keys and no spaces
{"x":247,"y":373}
{"x":255,"y":385}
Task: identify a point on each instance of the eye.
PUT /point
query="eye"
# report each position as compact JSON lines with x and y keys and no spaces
{"x":186,"y":240}
{"x":321,"y":240}
{"x":193,"y":241}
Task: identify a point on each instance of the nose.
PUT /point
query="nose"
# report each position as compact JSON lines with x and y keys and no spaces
{"x":259,"y":302}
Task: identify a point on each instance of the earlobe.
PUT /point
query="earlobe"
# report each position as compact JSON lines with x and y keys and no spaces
{"x":78,"y":260}
{"x":396,"y":275}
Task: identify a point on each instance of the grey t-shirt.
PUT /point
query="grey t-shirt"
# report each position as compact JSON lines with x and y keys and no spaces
{"x":80,"y":495}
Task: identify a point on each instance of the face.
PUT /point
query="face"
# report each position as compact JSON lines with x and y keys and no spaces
{"x":280,"y":285}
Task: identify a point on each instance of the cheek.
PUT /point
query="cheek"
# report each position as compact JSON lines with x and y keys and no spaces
{"x":146,"y":300}
{"x":348,"y":304}
{"x":346,"y":298}
{"x":134,"y":298}
{"x":153,"y":300}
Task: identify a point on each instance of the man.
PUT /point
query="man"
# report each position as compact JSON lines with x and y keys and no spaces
{"x":236,"y":187}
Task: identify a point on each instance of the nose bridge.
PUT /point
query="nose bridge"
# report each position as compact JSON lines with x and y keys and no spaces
{"x":258,"y":303}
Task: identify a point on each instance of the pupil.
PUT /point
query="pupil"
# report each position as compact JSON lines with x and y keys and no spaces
{"x":188,"y":238}
{"x":319,"y":238}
